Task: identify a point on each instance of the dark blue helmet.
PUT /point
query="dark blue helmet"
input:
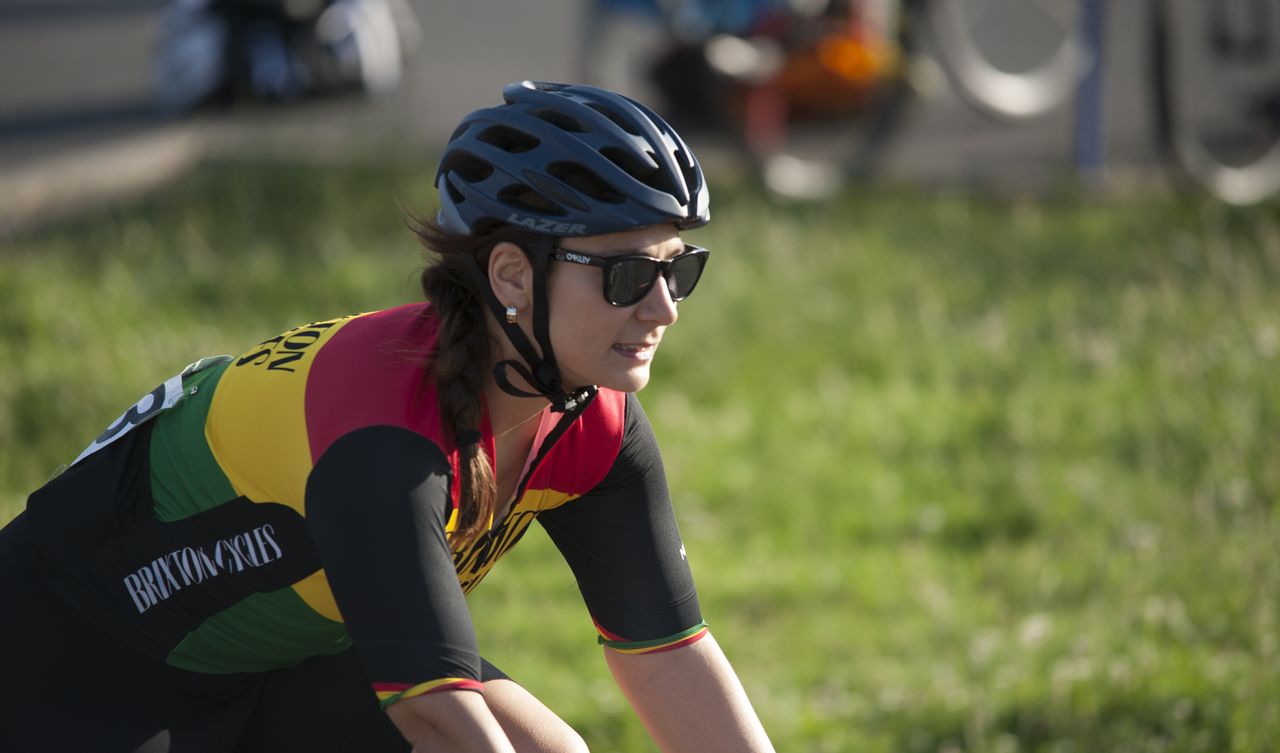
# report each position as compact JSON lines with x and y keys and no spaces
{"x":562,"y":160}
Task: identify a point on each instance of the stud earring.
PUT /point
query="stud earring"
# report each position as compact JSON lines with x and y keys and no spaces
{"x":511,"y":314}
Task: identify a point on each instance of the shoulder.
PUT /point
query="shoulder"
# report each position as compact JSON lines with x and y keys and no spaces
{"x":373,"y":371}
{"x":391,"y":452}
{"x":628,"y":450}
{"x":291,"y":396}
{"x":608,"y":412}
{"x":618,"y":420}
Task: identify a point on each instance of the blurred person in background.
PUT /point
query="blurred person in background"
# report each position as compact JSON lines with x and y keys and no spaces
{"x":222,"y":51}
{"x":270,"y":551}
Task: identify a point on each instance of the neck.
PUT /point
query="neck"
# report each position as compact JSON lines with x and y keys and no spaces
{"x":506,"y":411}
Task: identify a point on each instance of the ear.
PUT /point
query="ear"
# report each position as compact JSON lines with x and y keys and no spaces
{"x":511,"y":275}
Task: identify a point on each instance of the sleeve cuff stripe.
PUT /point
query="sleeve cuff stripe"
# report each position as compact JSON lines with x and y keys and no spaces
{"x":390,"y":692}
{"x":658,"y":645}
{"x":608,"y":636}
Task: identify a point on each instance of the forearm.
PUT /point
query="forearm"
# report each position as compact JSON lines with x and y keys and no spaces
{"x":457,"y":720}
{"x":690,"y":700}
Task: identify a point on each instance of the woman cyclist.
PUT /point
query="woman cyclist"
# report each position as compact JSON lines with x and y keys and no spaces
{"x":269,"y":551}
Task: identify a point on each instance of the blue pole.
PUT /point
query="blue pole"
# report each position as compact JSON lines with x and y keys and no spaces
{"x":1090,"y":126}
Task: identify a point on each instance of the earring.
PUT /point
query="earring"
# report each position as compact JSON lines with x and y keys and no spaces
{"x":511,"y":314}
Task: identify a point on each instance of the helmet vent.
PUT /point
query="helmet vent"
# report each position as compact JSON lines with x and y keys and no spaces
{"x":524,"y":197}
{"x":632,"y":165}
{"x":509,"y":139}
{"x":617,"y":119}
{"x":454,"y":194}
{"x":560,"y":120}
{"x":585,"y":181}
{"x":469,"y":167}
{"x":691,"y":175}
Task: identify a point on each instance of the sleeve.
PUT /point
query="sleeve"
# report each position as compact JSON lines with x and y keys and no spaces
{"x":621,"y":541}
{"x":377,"y":505}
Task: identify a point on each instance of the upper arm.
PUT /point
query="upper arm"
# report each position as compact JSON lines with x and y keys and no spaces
{"x":377,"y":503}
{"x":623,"y":545}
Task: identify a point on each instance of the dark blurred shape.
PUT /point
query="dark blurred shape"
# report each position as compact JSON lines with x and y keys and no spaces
{"x":834,"y":78}
{"x":1216,"y":80}
{"x":223,"y":51}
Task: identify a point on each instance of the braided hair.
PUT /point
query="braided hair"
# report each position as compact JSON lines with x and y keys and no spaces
{"x":459,"y":365}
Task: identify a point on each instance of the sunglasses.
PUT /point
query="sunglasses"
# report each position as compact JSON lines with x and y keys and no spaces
{"x":627,"y":279}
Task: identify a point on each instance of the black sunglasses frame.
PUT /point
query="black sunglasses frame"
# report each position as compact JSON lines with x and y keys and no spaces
{"x":660,"y":267}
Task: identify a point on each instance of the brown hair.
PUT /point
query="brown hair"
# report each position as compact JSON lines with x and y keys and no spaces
{"x":460,"y":362}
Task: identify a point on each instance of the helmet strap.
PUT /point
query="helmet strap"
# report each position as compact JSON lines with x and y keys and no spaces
{"x":539,"y":371}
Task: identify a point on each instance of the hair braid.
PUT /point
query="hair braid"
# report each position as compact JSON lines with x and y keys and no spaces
{"x":459,"y":367}
{"x":460,"y":362}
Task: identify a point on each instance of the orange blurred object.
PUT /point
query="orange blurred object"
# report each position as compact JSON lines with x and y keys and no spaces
{"x":838,"y":75}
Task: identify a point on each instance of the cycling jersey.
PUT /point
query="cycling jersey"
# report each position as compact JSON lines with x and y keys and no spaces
{"x":297,"y":500}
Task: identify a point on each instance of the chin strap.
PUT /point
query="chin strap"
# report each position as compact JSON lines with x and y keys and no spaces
{"x":540,"y":372}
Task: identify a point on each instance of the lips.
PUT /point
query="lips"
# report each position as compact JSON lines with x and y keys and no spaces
{"x":636,"y":350}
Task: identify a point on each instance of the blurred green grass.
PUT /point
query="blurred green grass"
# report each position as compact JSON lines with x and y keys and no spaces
{"x":954,"y":474}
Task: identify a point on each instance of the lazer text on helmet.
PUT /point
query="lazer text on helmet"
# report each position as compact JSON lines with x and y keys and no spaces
{"x":546,"y":226}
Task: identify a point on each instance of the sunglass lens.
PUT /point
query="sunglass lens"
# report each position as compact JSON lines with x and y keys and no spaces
{"x":629,"y":280}
{"x":683,"y":275}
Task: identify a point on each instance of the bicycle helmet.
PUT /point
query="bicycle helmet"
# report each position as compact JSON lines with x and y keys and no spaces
{"x":562,"y":160}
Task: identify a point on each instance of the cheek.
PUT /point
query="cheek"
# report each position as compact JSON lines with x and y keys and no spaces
{"x":571,"y":321}
{"x":584,"y":330}
{"x":577,"y":306}
{"x":585,"y":322}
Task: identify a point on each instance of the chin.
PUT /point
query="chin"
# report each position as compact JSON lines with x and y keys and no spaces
{"x":630,"y":382}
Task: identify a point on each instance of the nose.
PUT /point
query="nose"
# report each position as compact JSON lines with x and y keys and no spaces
{"x":657,"y":306}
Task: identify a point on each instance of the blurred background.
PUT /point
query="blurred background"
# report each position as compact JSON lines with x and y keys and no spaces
{"x":991,"y":93}
{"x":971,"y":429}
